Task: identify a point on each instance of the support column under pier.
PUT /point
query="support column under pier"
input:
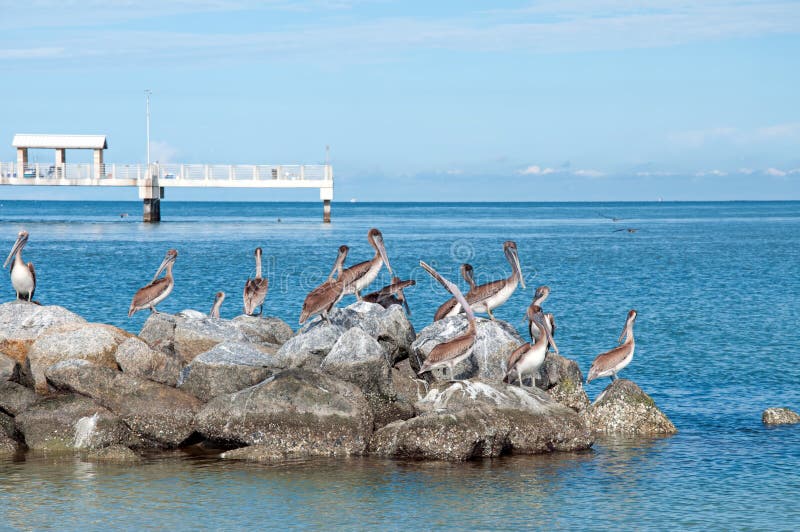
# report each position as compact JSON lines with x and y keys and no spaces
{"x":326,"y":195}
{"x":151,"y":195}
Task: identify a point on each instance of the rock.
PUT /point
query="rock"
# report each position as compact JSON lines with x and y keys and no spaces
{"x":623,"y":408}
{"x":263,"y":454}
{"x":159,"y":332}
{"x":92,"y":342}
{"x":21,"y":323}
{"x":138,"y":359}
{"x":8,"y":443}
{"x":9,"y":368}
{"x":68,"y":422}
{"x":495,"y":342}
{"x":358,"y":358}
{"x":158,"y":413}
{"x":406,"y":384}
{"x":470,"y":419}
{"x":390,"y":327}
{"x":196,"y":336}
{"x":118,"y":454}
{"x":191,"y":314}
{"x":15,"y":398}
{"x":562,"y":379}
{"x":263,"y":330}
{"x":228,"y":367}
{"x":308,"y":348}
{"x":779,"y":416}
{"x":296,"y":412}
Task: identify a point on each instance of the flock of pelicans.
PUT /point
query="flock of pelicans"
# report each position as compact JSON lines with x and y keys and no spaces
{"x":526,"y":359}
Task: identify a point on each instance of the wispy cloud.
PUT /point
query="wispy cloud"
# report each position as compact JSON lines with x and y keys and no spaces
{"x":715,"y":173}
{"x":536,"y":170}
{"x":774,"y":172}
{"x":589,"y":173}
{"x":739,"y":136}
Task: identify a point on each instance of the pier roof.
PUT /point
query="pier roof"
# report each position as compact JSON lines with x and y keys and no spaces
{"x":72,"y":142}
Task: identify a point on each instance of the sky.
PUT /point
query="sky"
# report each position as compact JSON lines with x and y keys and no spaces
{"x":554,"y":100}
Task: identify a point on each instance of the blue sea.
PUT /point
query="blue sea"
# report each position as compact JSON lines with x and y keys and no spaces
{"x":716,"y":287}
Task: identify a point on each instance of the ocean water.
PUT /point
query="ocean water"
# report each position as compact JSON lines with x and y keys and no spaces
{"x":716,"y":286}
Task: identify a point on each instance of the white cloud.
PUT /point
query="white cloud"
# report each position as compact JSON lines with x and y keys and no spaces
{"x":746,"y":171}
{"x":589,"y":173}
{"x":655,"y":173}
{"x":775,"y":172}
{"x":536,"y":170}
{"x":715,"y":172}
{"x":738,"y":136}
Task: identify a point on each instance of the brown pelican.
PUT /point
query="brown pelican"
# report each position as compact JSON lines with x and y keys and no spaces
{"x":391,"y":294}
{"x":542,"y":292}
{"x":488,"y":296}
{"x":23,"y":276}
{"x":218,"y":299}
{"x":158,"y":290}
{"x":612,"y":362}
{"x":449,"y":353}
{"x":322,"y":299}
{"x":529,"y":357}
{"x":255,"y":290}
{"x":451,"y":307}
{"x":359,"y":276}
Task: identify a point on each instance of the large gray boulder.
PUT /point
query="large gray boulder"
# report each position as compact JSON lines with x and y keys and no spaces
{"x":495,"y":342}
{"x":780,"y":416}
{"x":309,"y":347}
{"x":70,"y":422}
{"x":93,"y":342}
{"x":138,"y":359}
{"x":265,"y":330}
{"x":159,"y":414}
{"x":390,"y":326}
{"x":297,"y":412}
{"x":226,"y":368}
{"x":358,"y":358}
{"x":623,"y":408}
{"x":158,"y":332}
{"x":9,"y":437}
{"x":562,"y":379}
{"x":471,"y":419}
{"x":22,"y":322}
{"x":15,"y":398}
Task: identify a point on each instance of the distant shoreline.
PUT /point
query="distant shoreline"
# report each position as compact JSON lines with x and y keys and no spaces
{"x":379,"y":202}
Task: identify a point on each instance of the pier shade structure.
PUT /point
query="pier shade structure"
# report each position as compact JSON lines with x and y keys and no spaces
{"x":153,"y":179}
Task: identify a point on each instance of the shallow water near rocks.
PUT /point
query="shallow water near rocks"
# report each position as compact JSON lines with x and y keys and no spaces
{"x":716,"y":286}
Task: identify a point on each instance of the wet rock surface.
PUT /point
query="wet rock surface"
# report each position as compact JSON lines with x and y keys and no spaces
{"x":780,"y":416}
{"x":159,"y":414}
{"x":226,"y":368}
{"x":115,"y":454}
{"x":495,"y":342}
{"x":623,"y":408}
{"x":70,"y":422}
{"x":470,"y":419}
{"x":297,"y":411}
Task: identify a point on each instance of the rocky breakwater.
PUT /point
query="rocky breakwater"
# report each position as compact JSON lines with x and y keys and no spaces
{"x":623,"y":408}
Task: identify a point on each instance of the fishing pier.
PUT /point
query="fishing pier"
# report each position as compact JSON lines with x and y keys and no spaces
{"x":152,"y":179}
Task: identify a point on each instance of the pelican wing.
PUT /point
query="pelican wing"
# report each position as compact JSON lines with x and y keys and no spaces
{"x":445,"y":308}
{"x":33,"y":275}
{"x":355,"y":272}
{"x":610,"y":359}
{"x":485,"y":291}
{"x":146,"y":295}
{"x":516,"y":356}
{"x":451,"y":349}
{"x":255,"y":291}
{"x":322,"y":298}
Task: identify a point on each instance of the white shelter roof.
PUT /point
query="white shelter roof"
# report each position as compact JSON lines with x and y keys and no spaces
{"x":72,"y":142}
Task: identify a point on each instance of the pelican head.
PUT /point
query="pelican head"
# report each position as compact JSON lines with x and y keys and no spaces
{"x":628,"y":324}
{"x":541,"y":294}
{"x":169,"y":258}
{"x":22,"y":239}
{"x":468,"y":274}
{"x":257,"y":252}
{"x":536,"y":315}
{"x":220,"y":296}
{"x":510,"y":249}
{"x":376,"y":239}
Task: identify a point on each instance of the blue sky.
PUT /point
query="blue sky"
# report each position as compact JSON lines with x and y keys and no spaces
{"x":448,"y":100}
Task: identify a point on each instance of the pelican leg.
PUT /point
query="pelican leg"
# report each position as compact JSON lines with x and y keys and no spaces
{"x":260,"y":310}
{"x":358,"y":296}
{"x":489,"y":312}
{"x":613,"y":376}
{"x":153,"y":310}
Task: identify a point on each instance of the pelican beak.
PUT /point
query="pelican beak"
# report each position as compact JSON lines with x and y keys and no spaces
{"x":17,"y":245}
{"x":382,"y":251}
{"x":517,"y":267}
{"x":405,"y":302}
{"x":167,"y":260}
{"x":337,"y":266}
{"x":550,"y":339}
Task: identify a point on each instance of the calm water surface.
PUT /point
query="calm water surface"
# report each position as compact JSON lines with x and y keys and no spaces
{"x":716,"y":286}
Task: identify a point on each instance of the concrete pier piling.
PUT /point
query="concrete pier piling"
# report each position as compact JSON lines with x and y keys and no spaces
{"x":151,"y":195}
